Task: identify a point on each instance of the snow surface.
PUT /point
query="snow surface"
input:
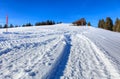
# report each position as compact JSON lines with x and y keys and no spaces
{"x":59,"y":51}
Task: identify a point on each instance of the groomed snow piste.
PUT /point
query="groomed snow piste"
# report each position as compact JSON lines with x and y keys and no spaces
{"x":59,"y":51}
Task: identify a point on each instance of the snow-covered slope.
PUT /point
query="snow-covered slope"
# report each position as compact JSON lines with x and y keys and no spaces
{"x":59,"y":52}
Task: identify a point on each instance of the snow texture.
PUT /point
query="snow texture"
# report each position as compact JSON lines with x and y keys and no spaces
{"x":59,"y":51}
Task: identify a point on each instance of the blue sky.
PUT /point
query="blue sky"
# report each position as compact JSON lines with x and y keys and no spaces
{"x":23,"y":11}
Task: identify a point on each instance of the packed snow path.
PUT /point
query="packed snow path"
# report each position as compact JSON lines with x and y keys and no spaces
{"x":59,"y":52}
{"x":86,"y":61}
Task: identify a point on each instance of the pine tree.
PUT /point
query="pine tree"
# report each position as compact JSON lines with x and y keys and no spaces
{"x":89,"y":24}
{"x":17,"y":26}
{"x":28,"y":24}
{"x":0,"y":26}
{"x":114,"y":28}
{"x":5,"y":26}
{"x":11,"y":26}
{"x":117,"y":25}
{"x":109,"y":24}
{"x":48,"y":22}
{"x":101,"y":24}
{"x":23,"y":25}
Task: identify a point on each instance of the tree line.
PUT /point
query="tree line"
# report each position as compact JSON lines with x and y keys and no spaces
{"x":104,"y":24}
{"x":108,"y":24}
{"x":48,"y":22}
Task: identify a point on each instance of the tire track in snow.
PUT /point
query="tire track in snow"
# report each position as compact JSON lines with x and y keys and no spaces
{"x":26,"y":54}
{"x":25,"y":46}
{"x":108,"y":43}
{"x":86,"y":61}
{"x":47,"y":53}
{"x":7,"y":46}
{"x":41,"y":62}
{"x":61,"y":62}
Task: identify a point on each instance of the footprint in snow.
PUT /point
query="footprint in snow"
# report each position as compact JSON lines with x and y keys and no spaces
{"x":32,"y":73}
{"x":0,"y":66}
{"x":28,"y":70}
{"x":0,"y":61}
{"x":47,"y":63}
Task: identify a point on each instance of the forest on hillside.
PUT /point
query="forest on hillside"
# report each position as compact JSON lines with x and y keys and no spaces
{"x":104,"y":24}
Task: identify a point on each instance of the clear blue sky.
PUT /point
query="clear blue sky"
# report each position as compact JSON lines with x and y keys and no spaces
{"x":23,"y":11}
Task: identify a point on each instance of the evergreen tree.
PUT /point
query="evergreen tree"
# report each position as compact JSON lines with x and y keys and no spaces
{"x":28,"y":24}
{"x":43,"y":23}
{"x":109,"y":24}
{"x":118,"y":27}
{"x":117,"y":21}
{"x":48,"y":22}
{"x":117,"y":24}
{"x":0,"y":26}
{"x":11,"y":26}
{"x":16,"y":26}
{"x":23,"y":25}
{"x":89,"y":24}
{"x":101,"y":24}
{"x":114,"y":28}
{"x":58,"y":22}
{"x":37,"y":24}
{"x":5,"y":26}
{"x":53,"y":22}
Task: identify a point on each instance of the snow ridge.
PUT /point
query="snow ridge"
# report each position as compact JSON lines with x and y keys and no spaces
{"x":61,"y":62}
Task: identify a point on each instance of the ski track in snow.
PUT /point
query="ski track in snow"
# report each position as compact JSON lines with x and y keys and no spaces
{"x":86,"y":61}
{"x":58,"y":52}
